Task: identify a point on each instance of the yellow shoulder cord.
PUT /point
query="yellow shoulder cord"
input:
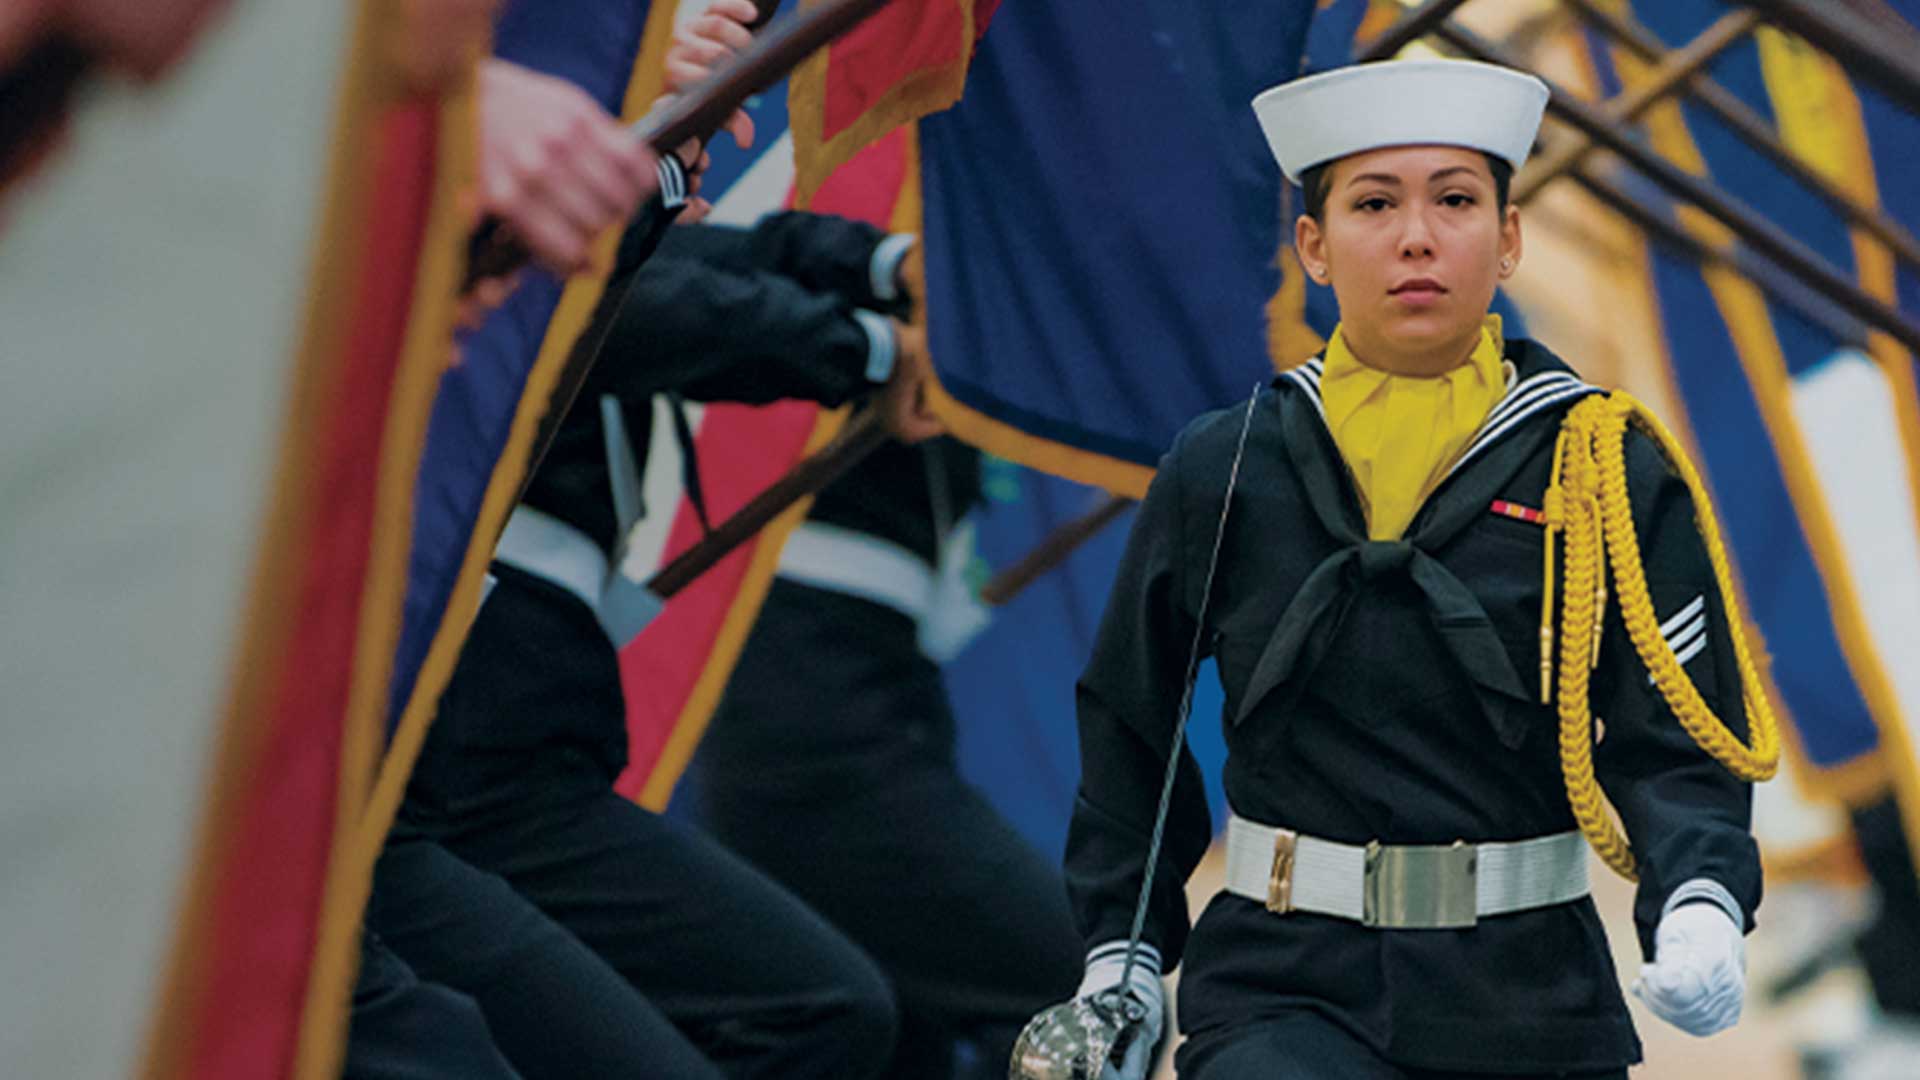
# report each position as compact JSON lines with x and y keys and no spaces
{"x":1586,"y":506}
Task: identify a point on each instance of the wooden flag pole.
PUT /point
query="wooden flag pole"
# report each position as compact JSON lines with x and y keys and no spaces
{"x":699,"y":112}
{"x":862,"y":436}
{"x":1053,"y":550}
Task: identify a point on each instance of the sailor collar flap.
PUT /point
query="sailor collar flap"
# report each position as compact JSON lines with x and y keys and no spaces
{"x":1513,"y":432}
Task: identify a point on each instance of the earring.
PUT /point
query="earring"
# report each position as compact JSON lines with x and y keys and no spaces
{"x":1506,"y":266}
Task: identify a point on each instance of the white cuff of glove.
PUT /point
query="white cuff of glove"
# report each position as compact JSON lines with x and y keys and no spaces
{"x":1105,"y":965}
{"x":1697,"y":981}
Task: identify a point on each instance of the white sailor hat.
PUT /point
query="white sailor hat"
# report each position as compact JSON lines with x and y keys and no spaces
{"x":1317,"y":119}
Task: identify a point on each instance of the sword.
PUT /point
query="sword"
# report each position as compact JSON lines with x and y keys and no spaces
{"x":1077,"y":1039}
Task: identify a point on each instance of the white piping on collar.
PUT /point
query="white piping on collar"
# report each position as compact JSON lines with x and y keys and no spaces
{"x":1532,"y":395}
{"x":1523,"y":399}
{"x":1307,"y":375}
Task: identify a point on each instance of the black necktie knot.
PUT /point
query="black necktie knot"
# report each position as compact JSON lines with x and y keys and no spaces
{"x":1384,"y":558}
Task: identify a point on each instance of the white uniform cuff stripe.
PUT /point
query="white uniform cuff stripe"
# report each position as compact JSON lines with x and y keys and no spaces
{"x":673,"y":187}
{"x":880,"y":344}
{"x":1712,"y":892}
{"x":883,"y":269}
{"x":1116,"y":952}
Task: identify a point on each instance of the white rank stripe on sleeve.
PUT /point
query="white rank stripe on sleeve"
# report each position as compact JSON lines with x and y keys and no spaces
{"x":1686,"y":631}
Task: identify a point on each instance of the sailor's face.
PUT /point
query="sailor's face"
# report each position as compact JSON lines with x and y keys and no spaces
{"x":1412,"y":242}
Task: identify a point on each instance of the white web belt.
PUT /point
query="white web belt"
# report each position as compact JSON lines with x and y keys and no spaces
{"x":842,"y":560}
{"x":1406,"y":887}
{"x":546,"y":547}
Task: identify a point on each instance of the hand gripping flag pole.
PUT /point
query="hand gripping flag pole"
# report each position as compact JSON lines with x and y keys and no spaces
{"x":696,"y":114}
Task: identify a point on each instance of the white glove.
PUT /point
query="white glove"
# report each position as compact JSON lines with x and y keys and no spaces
{"x":1104,"y":966}
{"x":1697,"y":981}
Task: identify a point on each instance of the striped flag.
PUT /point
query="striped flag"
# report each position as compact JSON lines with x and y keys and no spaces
{"x":488,"y":405}
{"x":1806,"y":424}
{"x":908,"y":61}
{"x":167,"y":951}
{"x":677,"y":667}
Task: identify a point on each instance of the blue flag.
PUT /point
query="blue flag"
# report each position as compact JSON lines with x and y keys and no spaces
{"x":1757,"y":378}
{"x":591,"y":43}
{"x":1106,"y":259}
{"x":1102,"y":223}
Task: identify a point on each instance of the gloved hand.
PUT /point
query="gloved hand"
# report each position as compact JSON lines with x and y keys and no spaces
{"x":1698,"y":977}
{"x":1105,"y":963}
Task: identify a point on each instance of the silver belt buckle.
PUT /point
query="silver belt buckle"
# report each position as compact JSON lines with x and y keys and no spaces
{"x":1421,"y":887}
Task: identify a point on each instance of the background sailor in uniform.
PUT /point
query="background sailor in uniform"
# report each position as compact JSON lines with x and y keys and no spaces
{"x":545,"y":144}
{"x":1406,"y":887}
{"x":831,"y":764}
{"x":598,"y":938}
{"x":511,"y":816}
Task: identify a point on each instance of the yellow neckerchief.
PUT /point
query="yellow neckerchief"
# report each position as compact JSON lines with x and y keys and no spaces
{"x":1400,"y":433}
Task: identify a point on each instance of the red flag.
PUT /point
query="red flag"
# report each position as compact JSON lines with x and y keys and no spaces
{"x":256,"y":986}
{"x":676,"y":669}
{"x":908,"y":60}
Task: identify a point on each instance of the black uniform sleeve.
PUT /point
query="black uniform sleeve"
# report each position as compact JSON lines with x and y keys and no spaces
{"x":721,"y":335}
{"x":1128,"y":703}
{"x":1685,"y":815}
{"x":821,"y":252}
{"x":652,"y":224}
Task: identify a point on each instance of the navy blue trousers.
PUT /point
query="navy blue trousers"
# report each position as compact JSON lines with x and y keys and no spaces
{"x":1889,"y":944}
{"x":597,"y":938}
{"x":1304,"y":1045}
{"x":830,"y":764}
{"x":406,"y":1029}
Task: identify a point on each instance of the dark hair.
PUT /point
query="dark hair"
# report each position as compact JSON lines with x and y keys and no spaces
{"x":1315,"y":182}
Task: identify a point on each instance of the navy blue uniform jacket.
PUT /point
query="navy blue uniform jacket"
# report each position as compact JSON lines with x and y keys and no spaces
{"x":1389,"y":691}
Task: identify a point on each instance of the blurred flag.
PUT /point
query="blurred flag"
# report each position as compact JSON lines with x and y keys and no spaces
{"x":349,"y":250}
{"x":845,"y":149}
{"x":907,"y":61}
{"x":490,"y":403}
{"x":676,"y":669}
{"x":1102,"y":223}
{"x":1805,"y":423}
{"x":1103,"y":218}
{"x":251,"y":991}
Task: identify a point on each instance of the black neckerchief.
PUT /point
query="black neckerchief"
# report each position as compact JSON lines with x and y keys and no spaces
{"x":1515,"y":430}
